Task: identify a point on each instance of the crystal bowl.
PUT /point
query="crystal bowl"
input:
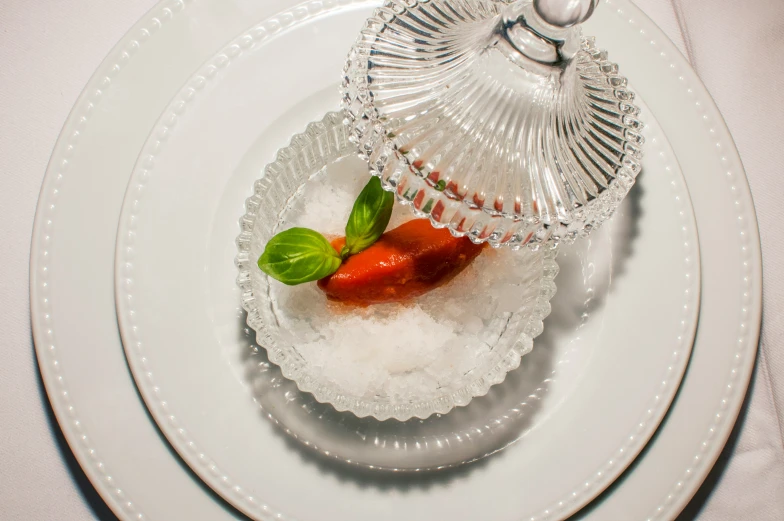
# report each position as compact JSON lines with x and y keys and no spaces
{"x":391,"y":360}
{"x":502,"y":146}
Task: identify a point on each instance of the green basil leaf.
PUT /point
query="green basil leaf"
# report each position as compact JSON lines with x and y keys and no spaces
{"x":369,"y":216}
{"x":299,"y":255}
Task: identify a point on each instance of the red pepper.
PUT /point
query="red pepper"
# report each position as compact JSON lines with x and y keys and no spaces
{"x":406,"y":262}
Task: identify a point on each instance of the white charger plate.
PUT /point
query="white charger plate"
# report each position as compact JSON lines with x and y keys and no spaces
{"x":90,"y":389}
{"x":580,"y":410}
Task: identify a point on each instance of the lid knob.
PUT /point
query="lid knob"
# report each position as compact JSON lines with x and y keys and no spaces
{"x":564,"y":13}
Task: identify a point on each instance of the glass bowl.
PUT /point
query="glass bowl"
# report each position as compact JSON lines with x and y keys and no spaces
{"x":492,"y":123}
{"x":391,"y":360}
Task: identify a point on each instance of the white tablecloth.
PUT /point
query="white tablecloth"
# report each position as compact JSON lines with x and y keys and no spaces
{"x":49,"y":49}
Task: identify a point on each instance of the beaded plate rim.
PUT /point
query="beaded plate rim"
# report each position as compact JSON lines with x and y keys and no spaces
{"x":99,"y":470}
{"x":184,"y":440}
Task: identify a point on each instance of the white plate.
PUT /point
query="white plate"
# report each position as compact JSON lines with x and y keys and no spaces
{"x":590,"y":400}
{"x":75,"y":330}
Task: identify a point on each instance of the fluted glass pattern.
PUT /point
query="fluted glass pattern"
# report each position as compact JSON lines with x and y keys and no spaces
{"x":480,"y":138}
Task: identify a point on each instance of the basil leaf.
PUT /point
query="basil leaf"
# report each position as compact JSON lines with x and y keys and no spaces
{"x":299,"y":255}
{"x":369,"y":216}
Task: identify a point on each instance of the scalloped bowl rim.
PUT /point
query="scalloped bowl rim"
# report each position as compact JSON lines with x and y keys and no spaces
{"x":294,"y":370}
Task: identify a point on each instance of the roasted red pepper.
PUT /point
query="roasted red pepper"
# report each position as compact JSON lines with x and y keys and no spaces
{"x":406,"y":262}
